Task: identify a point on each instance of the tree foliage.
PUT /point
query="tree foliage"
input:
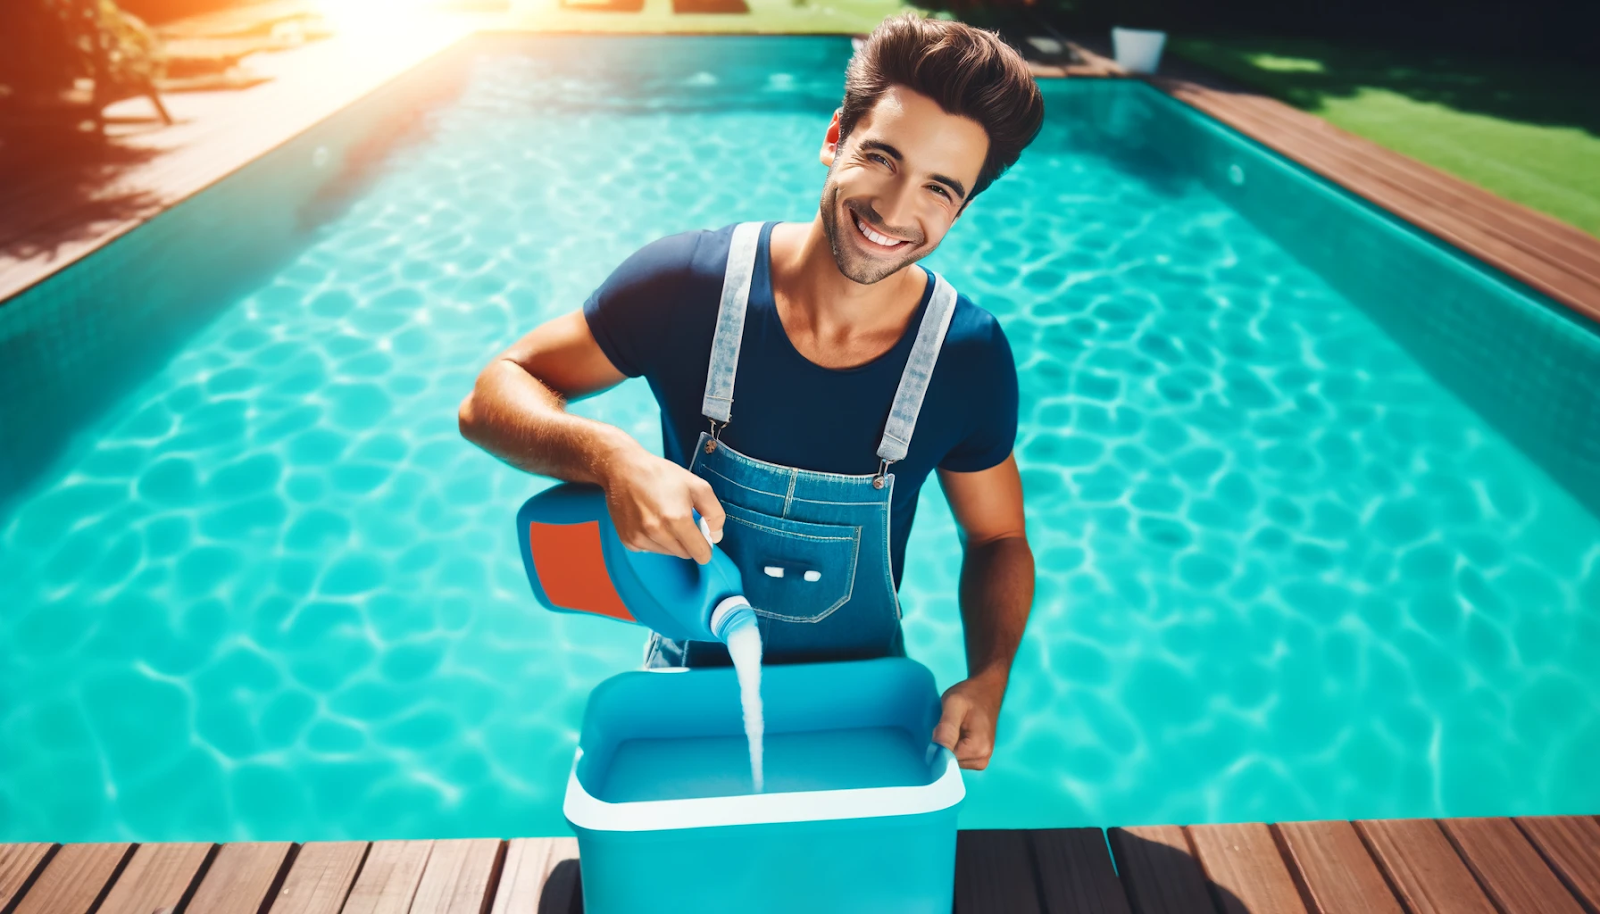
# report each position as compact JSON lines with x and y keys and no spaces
{"x":48,"y":45}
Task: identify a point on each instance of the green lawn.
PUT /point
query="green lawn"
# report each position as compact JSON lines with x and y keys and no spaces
{"x":657,"y":16}
{"x":1526,"y":131}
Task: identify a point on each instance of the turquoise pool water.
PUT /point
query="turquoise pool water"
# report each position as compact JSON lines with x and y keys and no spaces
{"x":1304,"y":551}
{"x":719,"y":766}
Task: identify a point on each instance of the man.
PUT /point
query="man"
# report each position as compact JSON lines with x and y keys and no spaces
{"x":858,"y":374}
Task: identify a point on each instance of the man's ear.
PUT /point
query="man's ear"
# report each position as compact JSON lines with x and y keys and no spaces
{"x":830,"y":142}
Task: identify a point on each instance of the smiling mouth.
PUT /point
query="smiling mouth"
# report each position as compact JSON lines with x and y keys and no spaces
{"x":876,"y":239}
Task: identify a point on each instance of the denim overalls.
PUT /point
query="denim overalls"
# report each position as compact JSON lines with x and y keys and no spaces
{"x":813,"y":547}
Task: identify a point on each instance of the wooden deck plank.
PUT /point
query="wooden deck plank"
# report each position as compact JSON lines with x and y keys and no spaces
{"x":1549,"y":255}
{"x":1283,"y":119}
{"x":459,"y":877}
{"x":1542,"y":235}
{"x":1340,"y":155}
{"x":525,"y":878}
{"x":389,"y":878}
{"x":994,"y":872}
{"x":1571,"y":845}
{"x":1434,"y":198}
{"x":240,"y":878}
{"x":142,"y":173}
{"x":1548,"y":865}
{"x":320,"y":878}
{"x":1336,"y":869}
{"x":1075,"y":872}
{"x":1516,"y":241}
{"x":159,"y":876}
{"x":1159,"y":871}
{"x":1091,"y":65}
{"x":1423,"y":867}
{"x":74,"y":878}
{"x":18,"y":863}
{"x":1508,"y":867}
{"x":1243,"y":862}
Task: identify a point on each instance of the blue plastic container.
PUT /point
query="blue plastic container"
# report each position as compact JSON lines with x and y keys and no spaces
{"x":576,"y":562}
{"x":859,"y":813}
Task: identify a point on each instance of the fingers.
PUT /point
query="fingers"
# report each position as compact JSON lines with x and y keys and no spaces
{"x":687,"y":536}
{"x":705,"y":501}
{"x":683,"y":529}
{"x":651,"y":533}
{"x":974,"y":750}
{"x":679,"y":537}
{"x":654,"y":511}
{"x":655,"y":538}
{"x":965,"y":730}
{"x":948,"y":731}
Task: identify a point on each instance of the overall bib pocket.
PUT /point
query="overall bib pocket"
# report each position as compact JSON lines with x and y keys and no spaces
{"x":793,"y":571}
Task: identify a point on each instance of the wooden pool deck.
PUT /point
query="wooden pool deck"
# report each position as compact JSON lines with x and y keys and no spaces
{"x":1547,"y":254}
{"x":62,"y":197}
{"x":64,"y":207}
{"x":1541,"y":865}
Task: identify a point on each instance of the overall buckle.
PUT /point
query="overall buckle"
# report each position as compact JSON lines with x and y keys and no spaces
{"x":716,"y":435}
{"x":883,"y":470}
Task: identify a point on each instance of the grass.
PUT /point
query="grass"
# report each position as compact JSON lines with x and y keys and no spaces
{"x":840,"y":17}
{"x":1527,"y":131}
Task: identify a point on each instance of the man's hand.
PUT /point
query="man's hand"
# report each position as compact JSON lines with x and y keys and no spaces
{"x":971,"y":710}
{"x":996,"y":595}
{"x":517,"y":412}
{"x":652,"y":501}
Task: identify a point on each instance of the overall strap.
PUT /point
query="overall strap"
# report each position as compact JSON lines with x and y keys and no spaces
{"x":919,"y":370}
{"x":718,"y":403}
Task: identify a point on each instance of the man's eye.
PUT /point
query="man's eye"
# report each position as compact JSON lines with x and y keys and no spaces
{"x":939,"y":190}
{"x":877,"y":158}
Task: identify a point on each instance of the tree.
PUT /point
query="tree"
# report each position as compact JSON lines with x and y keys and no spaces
{"x":54,"y":43}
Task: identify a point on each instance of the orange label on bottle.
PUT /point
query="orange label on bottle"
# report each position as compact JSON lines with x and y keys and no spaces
{"x":572,"y":568}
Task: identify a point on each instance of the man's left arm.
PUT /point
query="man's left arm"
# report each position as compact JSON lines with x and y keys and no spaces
{"x":996,"y":596}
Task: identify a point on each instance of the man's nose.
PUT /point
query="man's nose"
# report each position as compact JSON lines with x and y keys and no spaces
{"x":894,"y":206}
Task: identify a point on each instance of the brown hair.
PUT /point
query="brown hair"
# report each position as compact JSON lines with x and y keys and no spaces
{"x":969,"y":72}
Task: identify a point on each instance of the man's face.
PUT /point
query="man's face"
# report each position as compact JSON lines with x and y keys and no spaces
{"x":897,"y":184}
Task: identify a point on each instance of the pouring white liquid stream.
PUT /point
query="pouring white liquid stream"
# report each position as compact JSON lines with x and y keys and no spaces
{"x":744,"y":646}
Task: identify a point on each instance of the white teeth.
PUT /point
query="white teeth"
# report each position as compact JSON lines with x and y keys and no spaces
{"x":876,"y":238}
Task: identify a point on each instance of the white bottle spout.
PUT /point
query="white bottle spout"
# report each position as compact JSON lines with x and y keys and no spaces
{"x":732,"y":613}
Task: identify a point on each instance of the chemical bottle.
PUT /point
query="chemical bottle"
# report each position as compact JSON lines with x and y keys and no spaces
{"x":576,"y":562}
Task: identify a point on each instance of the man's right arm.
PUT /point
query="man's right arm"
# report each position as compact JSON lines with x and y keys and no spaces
{"x":517,"y":412}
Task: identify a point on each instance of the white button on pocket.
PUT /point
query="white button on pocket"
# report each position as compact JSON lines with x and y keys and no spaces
{"x":813,"y":575}
{"x":776,"y":552}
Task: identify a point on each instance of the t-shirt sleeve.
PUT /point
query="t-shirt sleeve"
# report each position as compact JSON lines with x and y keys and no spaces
{"x":631,"y":315}
{"x":991,"y":404}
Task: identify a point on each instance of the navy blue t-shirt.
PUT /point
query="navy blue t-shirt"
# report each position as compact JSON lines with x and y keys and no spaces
{"x":655,"y":316}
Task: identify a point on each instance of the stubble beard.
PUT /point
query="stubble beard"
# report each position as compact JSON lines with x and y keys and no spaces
{"x":857,"y":268}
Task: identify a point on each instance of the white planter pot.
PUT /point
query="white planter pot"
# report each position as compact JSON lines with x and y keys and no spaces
{"x":1138,"y":50}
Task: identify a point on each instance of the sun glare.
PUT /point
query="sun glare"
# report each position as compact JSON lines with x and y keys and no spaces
{"x":361,"y":18}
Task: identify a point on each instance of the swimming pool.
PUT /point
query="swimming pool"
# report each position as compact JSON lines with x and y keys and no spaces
{"x":1307,"y":491}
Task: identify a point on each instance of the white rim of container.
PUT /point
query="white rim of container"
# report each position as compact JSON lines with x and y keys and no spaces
{"x":585,"y":811}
